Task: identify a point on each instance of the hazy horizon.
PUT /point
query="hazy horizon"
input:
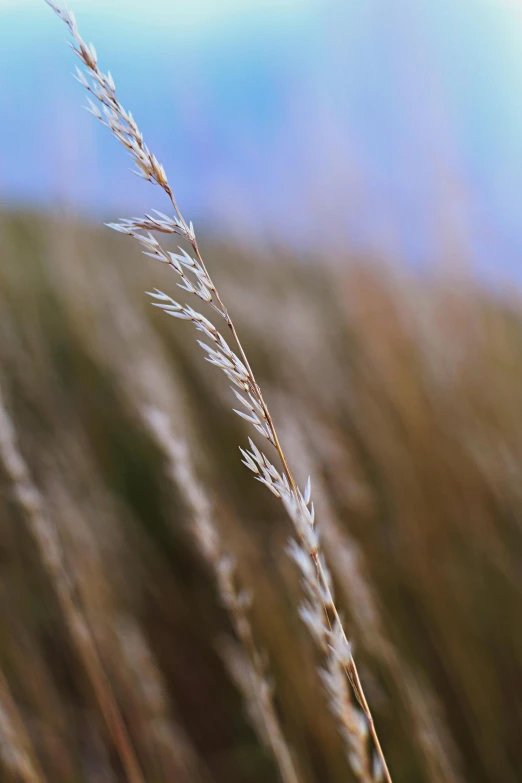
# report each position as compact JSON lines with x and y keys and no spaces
{"x":279,"y":118}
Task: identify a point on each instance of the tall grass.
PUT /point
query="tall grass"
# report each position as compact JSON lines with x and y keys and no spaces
{"x":412,"y":431}
{"x":399,"y":395}
{"x":319,"y":612}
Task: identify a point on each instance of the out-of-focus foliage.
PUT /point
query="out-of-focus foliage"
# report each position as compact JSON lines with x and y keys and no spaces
{"x":400,"y":395}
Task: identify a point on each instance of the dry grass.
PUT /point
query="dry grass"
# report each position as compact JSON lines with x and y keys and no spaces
{"x":338,"y":671}
{"x":412,"y":430}
{"x":139,"y":583}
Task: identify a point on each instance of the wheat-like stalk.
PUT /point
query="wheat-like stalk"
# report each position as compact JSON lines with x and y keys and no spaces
{"x":46,"y":539}
{"x":16,"y":751}
{"x":124,"y":650}
{"x":320,"y":611}
{"x":246,"y":663}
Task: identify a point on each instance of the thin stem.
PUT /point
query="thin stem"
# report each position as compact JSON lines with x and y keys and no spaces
{"x":352,"y":672}
{"x":255,"y":386}
{"x":330,"y":608}
{"x":329,"y":631}
{"x":258,"y":691}
{"x":16,"y":748}
{"x":362,"y":700}
{"x":172,"y":198}
{"x":46,"y":538}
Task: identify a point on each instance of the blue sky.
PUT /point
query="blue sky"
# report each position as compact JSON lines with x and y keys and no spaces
{"x":391,"y":125}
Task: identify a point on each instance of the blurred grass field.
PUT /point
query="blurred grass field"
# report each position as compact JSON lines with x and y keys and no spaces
{"x":401,"y":395}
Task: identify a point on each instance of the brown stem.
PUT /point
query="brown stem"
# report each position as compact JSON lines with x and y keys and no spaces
{"x":351,"y":671}
{"x":46,"y":538}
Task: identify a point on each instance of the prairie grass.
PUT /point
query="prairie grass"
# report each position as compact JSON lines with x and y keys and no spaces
{"x":318,"y":608}
{"x":152,"y":619}
{"x":413,"y":432}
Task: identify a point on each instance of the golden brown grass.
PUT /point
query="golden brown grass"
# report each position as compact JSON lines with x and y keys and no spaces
{"x":318,"y":608}
{"x":414,"y":430}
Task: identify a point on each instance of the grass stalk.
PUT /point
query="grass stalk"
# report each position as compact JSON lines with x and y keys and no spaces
{"x":320,"y":611}
{"x":46,"y":539}
{"x":248,"y":665}
{"x":16,"y":749}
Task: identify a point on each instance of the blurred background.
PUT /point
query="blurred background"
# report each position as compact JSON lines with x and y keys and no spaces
{"x":354,"y":173}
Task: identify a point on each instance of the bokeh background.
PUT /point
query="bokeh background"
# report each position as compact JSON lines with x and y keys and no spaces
{"x":354,"y":172}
